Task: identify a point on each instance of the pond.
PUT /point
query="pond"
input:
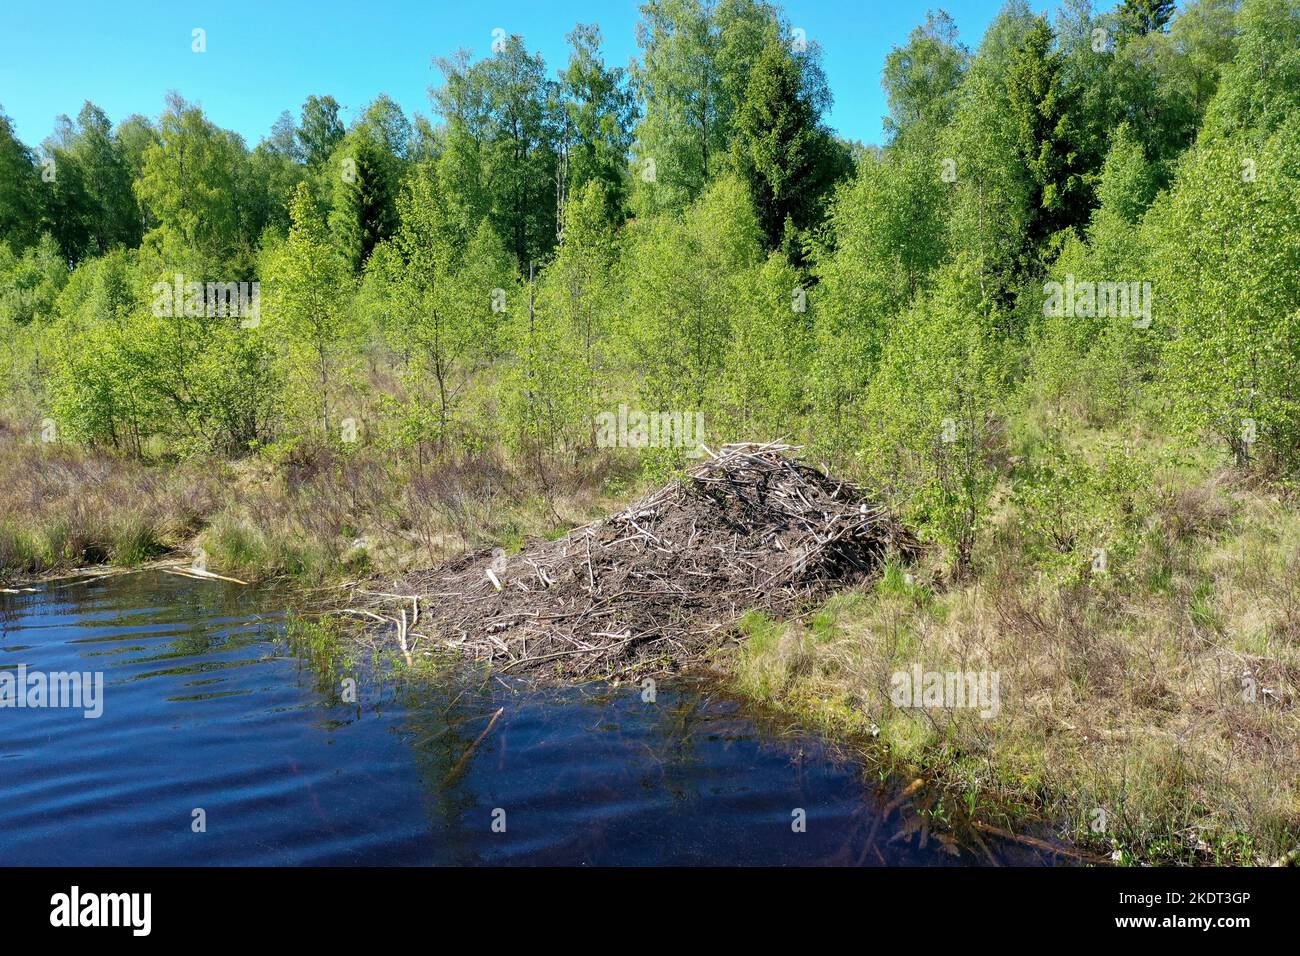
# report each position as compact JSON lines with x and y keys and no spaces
{"x":217,"y":745}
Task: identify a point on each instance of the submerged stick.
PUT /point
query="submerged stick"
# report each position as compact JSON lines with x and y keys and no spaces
{"x":91,"y":579}
{"x":885,"y":814}
{"x":1035,"y":843}
{"x":460,"y":764}
{"x":186,"y":571}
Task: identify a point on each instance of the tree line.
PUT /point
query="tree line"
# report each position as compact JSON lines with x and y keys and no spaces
{"x":688,"y":235}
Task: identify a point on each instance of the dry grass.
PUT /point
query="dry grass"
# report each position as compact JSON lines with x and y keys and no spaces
{"x":1164,"y":698}
{"x":328,"y":514}
{"x":62,"y":507}
{"x":314,"y":514}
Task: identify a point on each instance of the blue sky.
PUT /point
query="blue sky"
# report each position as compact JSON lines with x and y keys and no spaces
{"x":264,"y":57}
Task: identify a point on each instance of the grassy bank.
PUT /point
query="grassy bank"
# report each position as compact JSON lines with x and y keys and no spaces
{"x":63,"y":507}
{"x":311,"y":514}
{"x":1147,"y":702}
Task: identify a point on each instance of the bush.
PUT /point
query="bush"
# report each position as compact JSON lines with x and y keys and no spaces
{"x":933,"y":435}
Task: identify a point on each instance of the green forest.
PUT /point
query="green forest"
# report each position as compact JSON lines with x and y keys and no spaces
{"x":1053,"y":321}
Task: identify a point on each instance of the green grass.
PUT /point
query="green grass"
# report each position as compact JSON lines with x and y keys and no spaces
{"x":135,"y":544}
{"x":1119,"y":691}
{"x":329,"y":648}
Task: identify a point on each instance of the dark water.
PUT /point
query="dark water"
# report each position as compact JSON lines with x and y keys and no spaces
{"x":206,"y":707}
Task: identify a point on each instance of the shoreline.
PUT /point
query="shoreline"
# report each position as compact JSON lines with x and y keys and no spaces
{"x":945,"y":792}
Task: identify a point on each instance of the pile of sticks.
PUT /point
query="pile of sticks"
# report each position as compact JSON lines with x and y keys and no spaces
{"x":659,"y":585}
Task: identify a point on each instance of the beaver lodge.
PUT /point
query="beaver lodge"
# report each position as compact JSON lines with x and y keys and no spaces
{"x":659,"y":585}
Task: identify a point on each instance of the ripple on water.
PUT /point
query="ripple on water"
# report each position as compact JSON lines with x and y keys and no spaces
{"x":205,"y":708}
